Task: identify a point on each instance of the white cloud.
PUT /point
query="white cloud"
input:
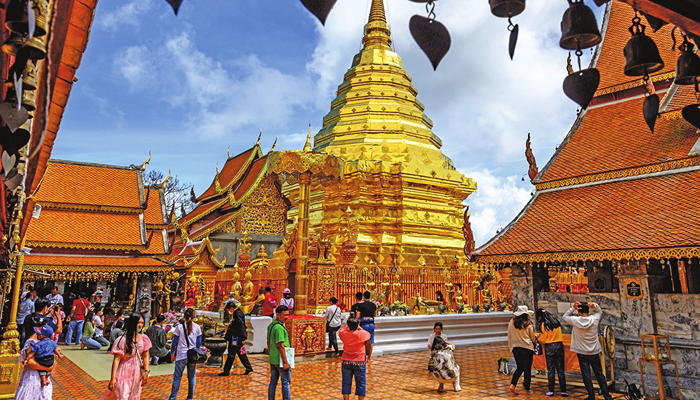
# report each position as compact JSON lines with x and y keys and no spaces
{"x":125,"y":15}
{"x":496,"y":202}
{"x":135,"y":65}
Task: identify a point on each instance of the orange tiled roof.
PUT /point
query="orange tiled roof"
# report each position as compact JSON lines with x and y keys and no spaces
{"x":208,"y":227}
{"x":252,"y":178}
{"x":156,"y":245}
{"x":232,"y":171}
{"x":155,"y":213}
{"x":90,"y":184}
{"x":201,"y":211}
{"x":49,"y":260}
{"x":611,"y":61}
{"x":613,"y":137}
{"x":648,"y":213}
{"x":84,"y":229}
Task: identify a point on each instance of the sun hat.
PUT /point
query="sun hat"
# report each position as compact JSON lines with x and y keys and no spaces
{"x":287,"y":291}
{"x":44,"y":330}
{"x":522,"y":310}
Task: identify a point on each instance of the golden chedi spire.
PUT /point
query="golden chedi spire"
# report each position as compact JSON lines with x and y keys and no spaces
{"x":411,"y":197}
{"x":377,"y":32}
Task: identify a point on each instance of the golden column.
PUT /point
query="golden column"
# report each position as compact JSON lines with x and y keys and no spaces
{"x":9,"y":348}
{"x":302,"y":244}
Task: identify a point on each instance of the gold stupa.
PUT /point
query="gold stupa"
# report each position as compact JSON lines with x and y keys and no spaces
{"x":403,"y":191}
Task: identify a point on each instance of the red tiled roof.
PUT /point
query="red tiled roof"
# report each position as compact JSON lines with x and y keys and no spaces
{"x":83,"y":260}
{"x":201,"y":211}
{"x":615,"y":136}
{"x":209,"y":225}
{"x":154,"y":208}
{"x":653,"y":212}
{"x":250,"y":179}
{"x":229,"y":172}
{"x":68,"y":228}
{"x":89,"y":184}
{"x":611,"y":61}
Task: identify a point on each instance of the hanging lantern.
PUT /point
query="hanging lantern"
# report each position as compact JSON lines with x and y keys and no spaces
{"x":641,"y":54}
{"x":508,"y":9}
{"x":579,"y":28}
{"x":687,"y":65}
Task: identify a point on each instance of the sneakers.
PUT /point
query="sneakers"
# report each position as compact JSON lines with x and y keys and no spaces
{"x":564,"y":394}
{"x":223,"y":374}
{"x":248,"y":371}
{"x":550,"y":394}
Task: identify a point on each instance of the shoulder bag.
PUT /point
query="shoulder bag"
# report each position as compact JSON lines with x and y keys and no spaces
{"x":138,"y":354}
{"x":328,"y":322}
{"x":195,"y":355}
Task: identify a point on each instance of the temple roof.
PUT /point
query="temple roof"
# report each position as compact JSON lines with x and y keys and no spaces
{"x":87,"y":230}
{"x":232,"y":172}
{"x":90,"y":263}
{"x":650,"y":215}
{"x":108,"y":186}
{"x":613,"y":189}
{"x":155,"y":212}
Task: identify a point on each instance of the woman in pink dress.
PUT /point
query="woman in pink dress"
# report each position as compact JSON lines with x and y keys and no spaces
{"x":130,"y":360}
{"x":30,"y":383}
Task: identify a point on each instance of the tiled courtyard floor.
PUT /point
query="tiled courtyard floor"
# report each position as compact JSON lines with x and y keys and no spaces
{"x":400,"y":376}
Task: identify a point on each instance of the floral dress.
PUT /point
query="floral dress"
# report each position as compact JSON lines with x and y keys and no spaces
{"x":128,"y":376}
{"x":30,"y":383}
{"x":446,"y":370}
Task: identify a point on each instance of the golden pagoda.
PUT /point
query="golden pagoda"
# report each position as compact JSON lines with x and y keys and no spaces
{"x":404,"y":192}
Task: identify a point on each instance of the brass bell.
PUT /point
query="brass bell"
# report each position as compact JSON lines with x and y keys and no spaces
{"x":16,"y":18}
{"x":28,"y":77}
{"x":29,"y":99}
{"x":687,"y":65}
{"x":579,"y":29}
{"x":33,"y":49}
{"x":506,"y":8}
{"x":12,"y":44}
{"x":641,"y":54}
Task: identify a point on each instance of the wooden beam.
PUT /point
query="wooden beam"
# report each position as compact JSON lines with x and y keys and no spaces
{"x":678,"y":15}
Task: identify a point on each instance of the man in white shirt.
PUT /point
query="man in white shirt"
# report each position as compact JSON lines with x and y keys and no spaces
{"x":333,"y":316}
{"x":54,"y":297}
{"x":585,"y":343}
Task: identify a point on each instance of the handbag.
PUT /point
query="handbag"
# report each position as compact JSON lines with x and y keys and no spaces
{"x":328,"y":322}
{"x":538,"y":349}
{"x":195,"y":355}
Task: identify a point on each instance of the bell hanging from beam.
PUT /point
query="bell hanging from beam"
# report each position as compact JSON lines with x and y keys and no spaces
{"x":641,"y":54}
{"x":33,"y":49}
{"x":687,"y":65}
{"x":17,"y":17}
{"x":579,"y":28}
{"x":508,"y":9}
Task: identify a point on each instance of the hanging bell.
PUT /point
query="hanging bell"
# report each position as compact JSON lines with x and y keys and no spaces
{"x":28,"y":77}
{"x":506,"y":8}
{"x":29,"y":99}
{"x":12,"y":44}
{"x":17,"y":19}
{"x":33,"y":49}
{"x":579,"y":29}
{"x":687,"y":65}
{"x":641,"y":54}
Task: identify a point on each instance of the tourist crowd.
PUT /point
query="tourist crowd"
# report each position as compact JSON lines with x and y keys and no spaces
{"x":41,"y":322}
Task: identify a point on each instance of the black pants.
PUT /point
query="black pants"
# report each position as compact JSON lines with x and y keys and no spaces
{"x":234,"y":351}
{"x":588,"y":362}
{"x":22,"y":335}
{"x":523,"y":358}
{"x":554,"y":353}
{"x":333,"y":338}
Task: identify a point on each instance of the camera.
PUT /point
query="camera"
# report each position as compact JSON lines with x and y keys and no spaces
{"x":583,"y":308}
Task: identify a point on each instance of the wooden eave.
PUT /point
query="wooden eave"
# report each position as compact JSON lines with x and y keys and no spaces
{"x":70,"y":33}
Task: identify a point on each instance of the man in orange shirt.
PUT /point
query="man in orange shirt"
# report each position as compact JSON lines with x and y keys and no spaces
{"x":356,"y":351}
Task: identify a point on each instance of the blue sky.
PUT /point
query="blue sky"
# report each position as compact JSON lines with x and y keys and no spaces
{"x":187,"y":87}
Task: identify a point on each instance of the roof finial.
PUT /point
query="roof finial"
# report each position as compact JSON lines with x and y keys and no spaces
{"x":228,"y":152}
{"x":274,"y":144}
{"x":217,"y":169}
{"x":143,"y":166}
{"x":259,"y":136}
{"x":377,"y":32}
{"x":165,"y":182}
{"x":307,"y":145}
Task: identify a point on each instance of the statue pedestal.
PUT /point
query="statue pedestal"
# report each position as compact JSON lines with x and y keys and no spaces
{"x":307,"y":334}
{"x":257,"y":333}
{"x":9,"y":375}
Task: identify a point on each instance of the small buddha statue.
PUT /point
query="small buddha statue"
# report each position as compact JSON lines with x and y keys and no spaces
{"x":248,"y":297}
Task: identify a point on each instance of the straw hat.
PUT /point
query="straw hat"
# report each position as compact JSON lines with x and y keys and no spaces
{"x":522,"y":310}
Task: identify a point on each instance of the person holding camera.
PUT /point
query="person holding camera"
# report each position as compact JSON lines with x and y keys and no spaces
{"x":585,"y":343}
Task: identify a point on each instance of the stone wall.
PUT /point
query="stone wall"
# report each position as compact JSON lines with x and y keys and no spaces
{"x":229,"y":245}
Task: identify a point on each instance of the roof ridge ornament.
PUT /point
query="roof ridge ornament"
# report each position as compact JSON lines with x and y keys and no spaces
{"x":259,"y":136}
{"x":228,"y":152}
{"x":143,"y":166}
{"x":165,"y":182}
{"x":274,"y":144}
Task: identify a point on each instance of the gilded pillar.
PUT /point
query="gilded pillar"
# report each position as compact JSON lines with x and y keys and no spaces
{"x":9,"y":347}
{"x":302,"y":243}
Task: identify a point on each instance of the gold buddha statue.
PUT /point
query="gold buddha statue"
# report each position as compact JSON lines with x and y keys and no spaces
{"x":248,"y":297}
